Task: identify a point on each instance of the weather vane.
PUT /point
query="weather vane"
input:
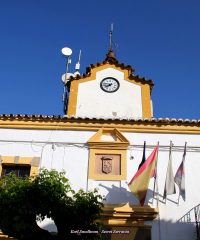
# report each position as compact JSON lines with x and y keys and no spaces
{"x":110,"y":37}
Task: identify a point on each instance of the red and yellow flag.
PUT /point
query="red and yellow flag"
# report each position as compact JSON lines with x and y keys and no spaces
{"x":140,"y":182}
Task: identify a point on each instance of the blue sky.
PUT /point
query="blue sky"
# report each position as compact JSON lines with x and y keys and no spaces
{"x":160,"y":39}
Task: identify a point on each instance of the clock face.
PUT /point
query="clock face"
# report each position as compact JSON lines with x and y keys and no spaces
{"x":109,"y":84}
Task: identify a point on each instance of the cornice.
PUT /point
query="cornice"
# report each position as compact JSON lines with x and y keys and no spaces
{"x":46,"y":122}
{"x":131,"y":214}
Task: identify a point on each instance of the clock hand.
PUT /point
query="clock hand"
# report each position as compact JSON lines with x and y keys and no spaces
{"x":107,"y":84}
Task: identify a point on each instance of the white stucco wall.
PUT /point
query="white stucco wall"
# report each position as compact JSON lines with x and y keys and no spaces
{"x":60,"y":150}
{"x":68,"y":150}
{"x":94,"y":102}
{"x":171,"y":211}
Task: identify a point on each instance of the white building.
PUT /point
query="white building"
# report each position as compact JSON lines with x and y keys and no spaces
{"x":109,"y":117}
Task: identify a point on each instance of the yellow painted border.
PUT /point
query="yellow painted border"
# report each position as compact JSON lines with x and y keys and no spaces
{"x":32,"y":161}
{"x":120,"y":141}
{"x":146,"y":101}
{"x":149,"y":126}
{"x":127,"y":217}
{"x":127,"y":214}
{"x":115,"y":147}
{"x":145,"y":90}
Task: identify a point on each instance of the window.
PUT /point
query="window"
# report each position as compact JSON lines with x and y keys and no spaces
{"x":21,"y":166}
{"x":18,"y":170}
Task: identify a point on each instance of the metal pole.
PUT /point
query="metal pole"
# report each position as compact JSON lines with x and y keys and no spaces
{"x":65,"y":85}
{"x":197,"y":224}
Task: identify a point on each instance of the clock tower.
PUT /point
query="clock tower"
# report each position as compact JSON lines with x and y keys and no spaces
{"x":110,"y":89}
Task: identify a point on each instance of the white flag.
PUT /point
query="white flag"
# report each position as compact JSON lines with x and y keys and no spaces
{"x":169,"y":182}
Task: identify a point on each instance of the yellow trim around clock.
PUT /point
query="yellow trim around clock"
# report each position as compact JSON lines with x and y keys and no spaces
{"x":32,"y":161}
{"x":146,"y":101}
{"x":72,"y":102}
{"x":145,"y":90}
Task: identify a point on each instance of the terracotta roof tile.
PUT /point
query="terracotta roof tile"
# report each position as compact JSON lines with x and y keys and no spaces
{"x":137,"y":78}
{"x":34,"y":117}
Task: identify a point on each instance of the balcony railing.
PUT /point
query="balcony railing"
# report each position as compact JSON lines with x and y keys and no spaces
{"x":193,"y":216}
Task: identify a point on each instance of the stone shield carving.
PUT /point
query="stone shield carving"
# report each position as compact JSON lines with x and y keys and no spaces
{"x":106,"y":164}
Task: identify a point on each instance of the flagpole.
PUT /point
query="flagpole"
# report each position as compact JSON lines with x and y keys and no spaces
{"x":179,"y":179}
{"x":170,"y":152}
{"x":87,"y":174}
{"x":166,"y":190}
{"x":157,"y":195}
{"x":178,"y":198}
{"x":143,"y":156}
{"x":155,"y":177}
{"x":159,"y":225}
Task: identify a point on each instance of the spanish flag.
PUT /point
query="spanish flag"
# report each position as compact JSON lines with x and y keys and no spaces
{"x":140,"y":182}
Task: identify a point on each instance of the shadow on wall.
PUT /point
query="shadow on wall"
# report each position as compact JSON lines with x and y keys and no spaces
{"x":161,"y":229}
{"x":168,"y":230}
{"x":120,"y":195}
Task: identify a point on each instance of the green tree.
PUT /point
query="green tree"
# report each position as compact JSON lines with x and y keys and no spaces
{"x":24,"y":201}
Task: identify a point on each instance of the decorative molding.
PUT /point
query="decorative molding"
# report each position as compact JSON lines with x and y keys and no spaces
{"x":151,"y":125}
{"x":108,"y":142}
{"x":118,"y":141}
{"x":128,"y":220}
{"x":128,"y":215}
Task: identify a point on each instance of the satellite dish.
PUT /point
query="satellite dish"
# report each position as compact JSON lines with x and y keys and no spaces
{"x":65,"y":79}
{"x":66,"y":51}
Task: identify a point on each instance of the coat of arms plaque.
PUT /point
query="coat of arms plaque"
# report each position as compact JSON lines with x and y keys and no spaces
{"x":106,"y":164}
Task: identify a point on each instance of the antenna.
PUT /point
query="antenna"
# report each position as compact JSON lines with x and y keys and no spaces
{"x":67,"y":52}
{"x":77,"y":67}
{"x":110,"y":37}
{"x":110,"y":56}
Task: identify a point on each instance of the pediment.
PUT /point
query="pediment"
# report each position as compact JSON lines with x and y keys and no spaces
{"x":110,"y":138}
{"x":127,"y":70}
